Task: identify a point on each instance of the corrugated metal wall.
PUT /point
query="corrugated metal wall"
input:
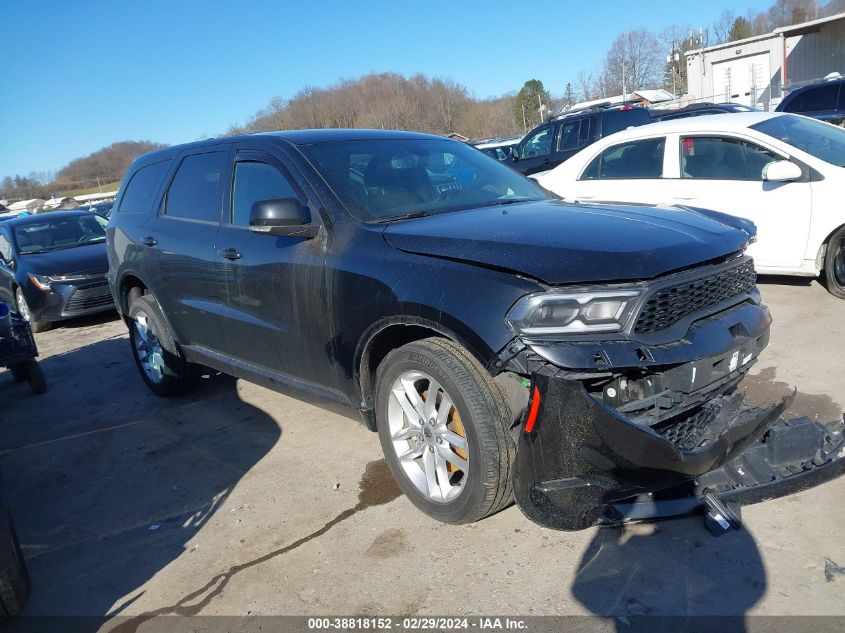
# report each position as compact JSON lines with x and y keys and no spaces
{"x":815,"y":55}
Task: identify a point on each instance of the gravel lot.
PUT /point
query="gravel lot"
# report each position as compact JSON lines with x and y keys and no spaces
{"x":237,"y":500}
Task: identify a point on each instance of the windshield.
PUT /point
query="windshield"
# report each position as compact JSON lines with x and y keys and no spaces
{"x":380,"y":180}
{"x":52,"y":234}
{"x":822,"y":140}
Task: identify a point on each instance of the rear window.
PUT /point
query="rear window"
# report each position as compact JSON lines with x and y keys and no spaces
{"x":617,"y":120}
{"x":142,"y":187}
{"x":814,"y":99}
{"x":631,"y":160}
{"x":194,"y":193}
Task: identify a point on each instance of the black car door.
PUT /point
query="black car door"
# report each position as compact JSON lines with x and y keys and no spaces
{"x":7,"y":271}
{"x":181,"y":237}
{"x":276,"y":291}
{"x":535,"y":150}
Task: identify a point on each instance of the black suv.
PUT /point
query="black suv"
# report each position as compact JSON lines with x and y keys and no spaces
{"x":699,"y":109}
{"x":824,"y":101}
{"x":503,"y":344}
{"x":550,"y":143}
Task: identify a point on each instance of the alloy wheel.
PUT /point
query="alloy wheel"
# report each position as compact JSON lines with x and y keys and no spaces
{"x":148,"y":348}
{"x":23,"y":309}
{"x":428,"y":436}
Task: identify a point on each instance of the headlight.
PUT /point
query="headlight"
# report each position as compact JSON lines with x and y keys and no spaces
{"x":39,"y":281}
{"x":573,"y":312}
{"x":63,"y":278}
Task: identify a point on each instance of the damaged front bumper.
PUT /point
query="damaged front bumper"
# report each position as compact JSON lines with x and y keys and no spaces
{"x":582,"y":463}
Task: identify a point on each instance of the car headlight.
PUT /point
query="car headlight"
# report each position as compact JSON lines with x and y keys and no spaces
{"x":63,"y":278}
{"x":587,"y":311}
{"x":40,"y":281}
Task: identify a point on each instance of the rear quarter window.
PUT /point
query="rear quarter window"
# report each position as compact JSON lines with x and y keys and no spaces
{"x":142,"y":186}
{"x":617,"y":120}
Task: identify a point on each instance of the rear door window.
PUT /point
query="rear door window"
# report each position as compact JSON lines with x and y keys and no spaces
{"x":194,"y":192}
{"x":142,"y":187}
{"x":569,"y":134}
{"x":632,"y":160}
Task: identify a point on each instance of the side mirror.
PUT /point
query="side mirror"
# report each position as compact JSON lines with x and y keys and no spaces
{"x":280,"y":216}
{"x":515,"y":154}
{"x":782,"y":171}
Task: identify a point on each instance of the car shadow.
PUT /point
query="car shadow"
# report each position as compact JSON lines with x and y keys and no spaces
{"x":671,"y":576}
{"x":108,"y":484}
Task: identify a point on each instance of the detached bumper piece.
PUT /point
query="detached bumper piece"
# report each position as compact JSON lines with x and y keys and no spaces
{"x":583,"y":463}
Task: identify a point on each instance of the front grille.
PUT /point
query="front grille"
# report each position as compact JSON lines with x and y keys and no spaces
{"x":89,"y":297}
{"x":669,"y":305}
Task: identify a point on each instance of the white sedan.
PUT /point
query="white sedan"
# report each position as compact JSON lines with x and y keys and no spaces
{"x":784,"y":172}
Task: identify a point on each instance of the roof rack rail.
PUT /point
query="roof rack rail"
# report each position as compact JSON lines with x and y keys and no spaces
{"x":605,"y":105}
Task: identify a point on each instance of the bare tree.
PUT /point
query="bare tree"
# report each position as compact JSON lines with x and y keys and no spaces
{"x":722,"y":27}
{"x":634,"y":61}
{"x":585,"y":86}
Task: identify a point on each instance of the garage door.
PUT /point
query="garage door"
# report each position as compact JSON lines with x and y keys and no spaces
{"x":744,"y":80}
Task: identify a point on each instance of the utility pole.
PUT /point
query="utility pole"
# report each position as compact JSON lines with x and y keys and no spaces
{"x":524,"y":123}
{"x":624,"y":88}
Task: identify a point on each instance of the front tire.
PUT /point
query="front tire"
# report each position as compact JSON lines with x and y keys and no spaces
{"x":157,"y":356}
{"x":444,"y":430}
{"x":834,"y":264}
{"x":26,"y":314}
{"x":14,"y":584}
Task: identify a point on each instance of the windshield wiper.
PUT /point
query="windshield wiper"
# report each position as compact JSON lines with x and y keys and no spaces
{"x":404,"y":216}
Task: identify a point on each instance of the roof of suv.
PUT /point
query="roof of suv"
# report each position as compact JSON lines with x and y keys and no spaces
{"x":300,"y":137}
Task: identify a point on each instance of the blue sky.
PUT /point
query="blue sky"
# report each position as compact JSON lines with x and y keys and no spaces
{"x":79,"y":75}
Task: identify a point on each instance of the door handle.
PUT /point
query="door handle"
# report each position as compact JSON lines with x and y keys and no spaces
{"x":230,"y":254}
{"x":149,"y":241}
{"x":546,"y":161}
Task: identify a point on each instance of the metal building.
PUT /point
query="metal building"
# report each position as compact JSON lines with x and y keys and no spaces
{"x":756,"y":71}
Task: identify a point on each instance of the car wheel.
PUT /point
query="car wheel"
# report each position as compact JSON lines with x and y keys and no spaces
{"x":444,"y":429}
{"x":834,"y":264}
{"x":26,"y":314}
{"x":157,"y":356}
{"x":14,"y":583}
{"x":35,"y":376}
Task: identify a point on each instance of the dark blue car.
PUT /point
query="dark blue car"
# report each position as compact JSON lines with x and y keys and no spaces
{"x":53,"y":266}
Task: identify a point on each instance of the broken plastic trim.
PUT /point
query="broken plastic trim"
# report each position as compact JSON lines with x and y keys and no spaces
{"x":585,"y":464}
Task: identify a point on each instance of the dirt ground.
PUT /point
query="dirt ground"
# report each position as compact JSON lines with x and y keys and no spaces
{"x":236,"y":500}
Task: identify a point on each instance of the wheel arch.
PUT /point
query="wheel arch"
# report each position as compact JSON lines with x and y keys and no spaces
{"x":822,"y":252}
{"x":129,"y":286}
{"x":382,"y":338}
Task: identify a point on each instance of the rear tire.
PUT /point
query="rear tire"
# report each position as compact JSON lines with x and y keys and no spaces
{"x":14,"y":584}
{"x":157,"y":355}
{"x":834,"y":264}
{"x":465,"y":440}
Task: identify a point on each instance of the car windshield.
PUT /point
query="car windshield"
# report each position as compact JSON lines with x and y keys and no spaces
{"x":52,"y":234}
{"x":381,"y":180}
{"x":822,"y":140}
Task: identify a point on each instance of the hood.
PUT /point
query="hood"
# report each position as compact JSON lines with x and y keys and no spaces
{"x":91,"y":258}
{"x":561,"y":243}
